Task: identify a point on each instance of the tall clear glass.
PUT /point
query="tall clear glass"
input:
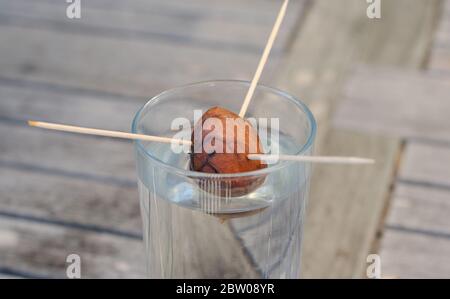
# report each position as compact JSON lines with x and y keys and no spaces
{"x":193,"y":226}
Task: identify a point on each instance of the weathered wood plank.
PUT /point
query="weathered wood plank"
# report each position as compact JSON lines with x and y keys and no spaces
{"x":42,"y":249}
{"x":396,"y":103}
{"x":443,"y":31}
{"x":121,"y":66}
{"x":440,"y":59}
{"x":22,"y":100}
{"x":215,"y":8}
{"x":320,"y":63}
{"x":426,"y":162}
{"x":407,"y":255}
{"x":45,"y":183}
{"x":315,"y":71}
{"x":73,"y":153}
{"x":200,"y":29}
{"x":420,"y":208}
{"x":19,"y":103}
{"x":419,"y":215}
{"x":447,"y":7}
{"x":440,"y":55}
{"x":446,"y":11}
{"x":75,"y":175}
{"x":50,"y":195}
{"x":7,"y":276}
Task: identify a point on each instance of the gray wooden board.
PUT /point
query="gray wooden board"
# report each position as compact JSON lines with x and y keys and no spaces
{"x":75,"y":182}
{"x":73,"y":176}
{"x":121,"y":65}
{"x":397,"y":103}
{"x":440,"y":54}
{"x":55,"y":197}
{"x":7,"y":276}
{"x":233,"y":9}
{"x":443,"y":32}
{"x":73,"y":153}
{"x":315,"y":70}
{"x":112,"y":65}
{"x":42,"y":250}
{"x":421,"y":209}
{"x":440,"y":59}
{"x":408,"y":255}
{"x":22,"y":100}
{"x":68,"y":152}
{"x":446,"y":8}
{"x":418,"y":215}
{"x":238,"y":29}
{"x":426,"y":163}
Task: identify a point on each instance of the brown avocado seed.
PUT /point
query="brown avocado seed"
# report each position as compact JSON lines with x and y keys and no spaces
{"x":221,"y":141}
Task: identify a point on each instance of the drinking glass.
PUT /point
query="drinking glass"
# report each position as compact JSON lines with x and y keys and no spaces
{"x":194,"y":226}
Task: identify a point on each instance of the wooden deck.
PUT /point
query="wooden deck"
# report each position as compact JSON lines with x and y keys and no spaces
{"x":412,"y":106}
{"x":346,"y":218}
{"x":378,"y":88}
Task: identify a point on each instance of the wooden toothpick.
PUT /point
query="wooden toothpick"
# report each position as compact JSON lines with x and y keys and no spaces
{"x":264,"y":58}
{"x":314,"y":159}
{"x":106,"y":133}
{"x":124,"y":135}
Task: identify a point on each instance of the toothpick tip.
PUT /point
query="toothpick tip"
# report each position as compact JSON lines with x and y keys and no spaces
{"x":32,"y":123}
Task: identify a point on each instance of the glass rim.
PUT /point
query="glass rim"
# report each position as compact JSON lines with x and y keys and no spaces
{"x":196,"y":174}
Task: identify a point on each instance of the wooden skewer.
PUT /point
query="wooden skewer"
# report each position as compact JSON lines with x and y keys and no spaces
{"x":264,"y":58}
{"x":314,"y":159}
{"x":106,"y":133}
{"x":123,"y":135}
